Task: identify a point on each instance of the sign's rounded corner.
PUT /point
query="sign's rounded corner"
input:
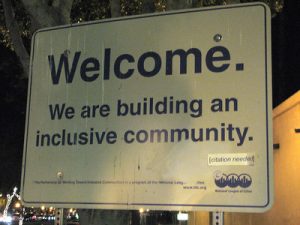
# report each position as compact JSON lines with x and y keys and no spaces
{"x":37,"y":32}
{"x":24,"y":201}
{"x":264,"y":6}
{"x":267,"y":206}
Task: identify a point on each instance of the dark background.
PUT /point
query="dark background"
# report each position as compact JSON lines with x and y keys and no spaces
{"x":286,"y":52}
{"x":13,"y":91}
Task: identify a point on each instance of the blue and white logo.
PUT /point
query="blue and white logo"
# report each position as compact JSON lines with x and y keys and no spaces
{"x":233,"y":180}
{"x":245,"y":180}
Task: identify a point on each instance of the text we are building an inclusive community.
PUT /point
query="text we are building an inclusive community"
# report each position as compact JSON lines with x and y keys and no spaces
{"x":65,"y":67}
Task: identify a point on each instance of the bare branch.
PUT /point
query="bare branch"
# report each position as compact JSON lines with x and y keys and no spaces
{"x":148,"y":6}
{"x":115,"y":8}
{"x":179,"y":4}
{"x":46,"y":13}
{"x":17,"y":41}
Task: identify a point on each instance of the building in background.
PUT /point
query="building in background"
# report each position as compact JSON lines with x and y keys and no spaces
{"x":286,"y":133}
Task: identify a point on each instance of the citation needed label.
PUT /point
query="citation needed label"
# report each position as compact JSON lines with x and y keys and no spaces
{"x":145,"y":111}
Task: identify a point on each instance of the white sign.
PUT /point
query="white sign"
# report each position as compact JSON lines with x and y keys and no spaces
{"x":127,"y":113}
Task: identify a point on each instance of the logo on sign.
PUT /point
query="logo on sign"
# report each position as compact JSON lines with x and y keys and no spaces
{"x":233,"y":180}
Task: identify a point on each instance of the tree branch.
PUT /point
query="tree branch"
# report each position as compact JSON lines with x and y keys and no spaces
{"x":15,"y":34}
{"x":178,"y":4}
{"x":115,"y":8}
{"x":44,"y":14}
{"x":148,"y":6}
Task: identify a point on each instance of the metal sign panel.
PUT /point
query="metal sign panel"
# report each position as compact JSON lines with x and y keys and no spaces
{"x":160,"y":111}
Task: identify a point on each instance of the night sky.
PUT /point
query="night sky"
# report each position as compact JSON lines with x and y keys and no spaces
{"x":286,"y":52}
{"x":12,"y":119}
{"x":286,"y":81}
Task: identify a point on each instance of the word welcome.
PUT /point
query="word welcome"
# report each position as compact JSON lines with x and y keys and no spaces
{"x":148,"y":64}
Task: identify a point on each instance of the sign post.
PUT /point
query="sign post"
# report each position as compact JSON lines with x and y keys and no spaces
{"x":160,"y":111}
{"x":217,"y":218}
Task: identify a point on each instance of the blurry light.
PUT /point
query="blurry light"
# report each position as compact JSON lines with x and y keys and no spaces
{"x":141,"y":210}
{"x":6,"y":219}
{"x":182,"y":216}
{"x":51,"y":209}
{"x":17,"y":205}
{"x":147,"y":210}
{"x":71,"y":210}
{"x":42,"y":207}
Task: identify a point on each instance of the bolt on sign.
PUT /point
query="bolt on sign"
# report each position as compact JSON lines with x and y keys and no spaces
{"x":167,"y":111}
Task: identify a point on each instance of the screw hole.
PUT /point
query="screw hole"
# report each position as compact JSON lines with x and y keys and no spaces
{"x":218,"y":38}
